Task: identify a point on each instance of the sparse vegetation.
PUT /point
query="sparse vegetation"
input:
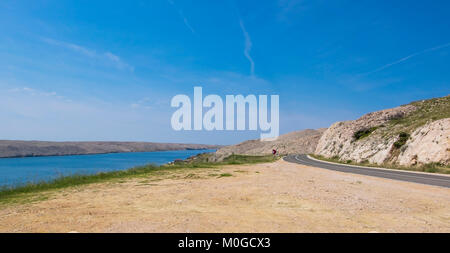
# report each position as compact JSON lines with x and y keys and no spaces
{"x":402,"y":139}
{"x":393,"y":134}
{"x":426,"y":111}
{"x":245,"y":159}
{"x":225,"y":175}
{"x":360,"y":134}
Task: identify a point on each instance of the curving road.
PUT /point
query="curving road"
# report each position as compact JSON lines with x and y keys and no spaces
{"x":421,"y":178}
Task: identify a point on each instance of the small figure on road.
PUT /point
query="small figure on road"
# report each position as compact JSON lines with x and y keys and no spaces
{"x":274,"y":151}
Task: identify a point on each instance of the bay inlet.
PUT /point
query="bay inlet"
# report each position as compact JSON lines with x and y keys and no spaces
{"x":23,"y":170}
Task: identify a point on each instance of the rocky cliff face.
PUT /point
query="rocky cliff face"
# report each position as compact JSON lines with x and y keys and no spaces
{"x":417,"y":133}
{"x":430,"y":143}
{"x":299,"y":142}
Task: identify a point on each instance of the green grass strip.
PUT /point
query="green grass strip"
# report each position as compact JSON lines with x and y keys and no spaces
{"x":7,"y":194}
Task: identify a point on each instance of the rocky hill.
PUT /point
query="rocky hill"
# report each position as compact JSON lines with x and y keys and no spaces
{"x":44,"y":148}
{"x":413,"y":134}
{"x":299,"y":142}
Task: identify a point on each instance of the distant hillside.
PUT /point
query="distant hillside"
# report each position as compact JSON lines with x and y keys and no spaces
{"x":413,"y":134}
{"x":299,"y":142}
{"x":45,"y":148}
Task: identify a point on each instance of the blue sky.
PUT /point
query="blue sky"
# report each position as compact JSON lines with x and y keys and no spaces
{"x":106,"y":70}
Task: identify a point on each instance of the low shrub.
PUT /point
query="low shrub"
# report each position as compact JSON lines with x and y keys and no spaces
{"x":402,"y":139}
{"x":362,"y":133}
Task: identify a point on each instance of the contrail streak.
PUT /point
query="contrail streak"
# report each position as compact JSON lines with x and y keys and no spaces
{"x":407,"y":58}
{"x":248,"y":47}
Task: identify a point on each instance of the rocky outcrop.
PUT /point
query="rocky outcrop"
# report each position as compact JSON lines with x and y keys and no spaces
{"x":339,"y":141}
{"x":10,"y":148}
{"x":430,"y":143}
{"x":299,"y":142}
{"x":414,"y":134}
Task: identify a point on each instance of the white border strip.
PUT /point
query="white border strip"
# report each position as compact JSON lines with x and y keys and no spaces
{"x":378,"y":168}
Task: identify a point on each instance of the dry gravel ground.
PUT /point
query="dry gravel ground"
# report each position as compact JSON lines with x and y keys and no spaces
{"x":274,"y":197}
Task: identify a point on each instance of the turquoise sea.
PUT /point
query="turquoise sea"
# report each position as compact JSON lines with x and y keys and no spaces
{"x":17,"y":171}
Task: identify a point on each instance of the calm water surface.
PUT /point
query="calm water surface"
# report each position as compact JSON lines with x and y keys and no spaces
{"x":16,"y":171}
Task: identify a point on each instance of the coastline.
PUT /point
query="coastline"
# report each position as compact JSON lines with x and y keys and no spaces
{"x":10,"y":194}
{"x":103,"y":153}
{"x":260,"y":197}
{"x":18,"y":149}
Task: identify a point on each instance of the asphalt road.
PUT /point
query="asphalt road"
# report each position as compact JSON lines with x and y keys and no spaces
{"x":421,"y":178}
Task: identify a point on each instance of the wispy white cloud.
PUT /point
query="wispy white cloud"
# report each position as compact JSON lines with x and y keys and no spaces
{"x":365,"y":84}
{"x":118,"y":62}
{"x":405,"y":59}
{"x":248,"y":47}
{"x":34,"y":92}
{"x":182,"y":16}
{"x":37,"y":114}
{"x":142,"y":103}
{"x":186,"y":22}
{"x":73,"y":47}
{"x":290,"y":7}
{"x":110,"y":57}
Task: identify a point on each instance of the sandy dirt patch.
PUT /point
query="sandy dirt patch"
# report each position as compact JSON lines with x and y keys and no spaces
{"x":274,"y":197}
